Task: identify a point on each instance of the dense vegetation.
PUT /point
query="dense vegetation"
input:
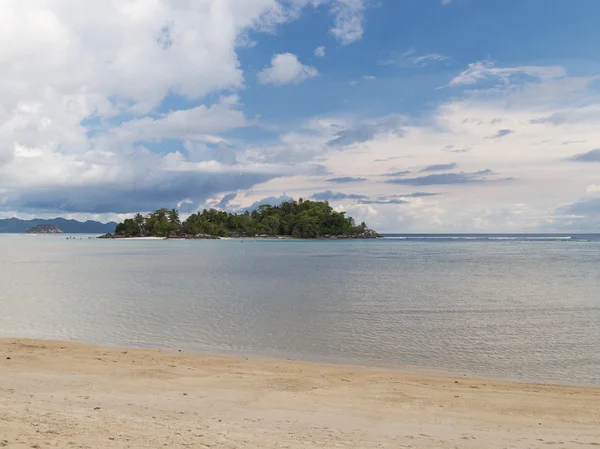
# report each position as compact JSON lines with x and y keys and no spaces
{"x":303,"y":219}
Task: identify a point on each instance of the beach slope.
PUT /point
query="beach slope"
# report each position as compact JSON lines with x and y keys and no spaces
{"x":65,"y":395}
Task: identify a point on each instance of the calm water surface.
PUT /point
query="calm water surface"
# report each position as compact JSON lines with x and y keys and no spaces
{"x":526,"y":309}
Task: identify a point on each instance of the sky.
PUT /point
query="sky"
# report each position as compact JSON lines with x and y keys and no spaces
{"x":412,"y":115}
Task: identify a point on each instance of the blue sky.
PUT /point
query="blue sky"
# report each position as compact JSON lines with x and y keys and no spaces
{"x":413,"y":115}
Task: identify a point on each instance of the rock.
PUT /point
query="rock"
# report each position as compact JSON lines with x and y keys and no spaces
{"x":193,"y":236}
{"x":117,"y":236}
{"x":366,"y":234}
{"x":203,"y":237}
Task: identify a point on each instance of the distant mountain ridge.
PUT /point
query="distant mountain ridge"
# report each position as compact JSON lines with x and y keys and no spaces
{"x":18,"y":226}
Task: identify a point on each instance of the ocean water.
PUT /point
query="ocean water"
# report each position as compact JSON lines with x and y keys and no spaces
{"x":512,"y":307}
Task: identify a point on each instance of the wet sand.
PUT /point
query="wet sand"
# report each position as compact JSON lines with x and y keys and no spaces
{"x":66,"y":395}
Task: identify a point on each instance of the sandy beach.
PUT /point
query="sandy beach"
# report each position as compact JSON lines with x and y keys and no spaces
{"x":62,"y":395}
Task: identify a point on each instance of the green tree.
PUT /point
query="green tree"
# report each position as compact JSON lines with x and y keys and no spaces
{"x":303,"y":219}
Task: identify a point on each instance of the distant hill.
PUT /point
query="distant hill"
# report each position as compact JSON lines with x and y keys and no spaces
{"x":44,"y":229}
{"x":17,"y":226}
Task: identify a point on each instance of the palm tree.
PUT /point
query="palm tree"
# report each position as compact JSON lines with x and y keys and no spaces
{"x":174,"y":216}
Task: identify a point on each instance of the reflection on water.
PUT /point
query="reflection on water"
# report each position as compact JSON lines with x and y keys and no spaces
{"x":526,"y":310}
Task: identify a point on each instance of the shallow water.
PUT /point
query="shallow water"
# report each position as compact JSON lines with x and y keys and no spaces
{"x":515,"y":309}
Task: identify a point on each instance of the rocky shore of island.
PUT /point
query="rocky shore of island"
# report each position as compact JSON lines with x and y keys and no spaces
{"x":169,"y":237}
{"x":365,"y":234}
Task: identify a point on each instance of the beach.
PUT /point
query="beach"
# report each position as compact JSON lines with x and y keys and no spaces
{"x":59,"y":394}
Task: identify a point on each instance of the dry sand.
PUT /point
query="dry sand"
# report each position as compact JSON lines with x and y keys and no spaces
{"x":65,"y":395}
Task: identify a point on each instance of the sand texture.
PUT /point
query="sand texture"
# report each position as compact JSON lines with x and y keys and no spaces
{"x":65,"y":395}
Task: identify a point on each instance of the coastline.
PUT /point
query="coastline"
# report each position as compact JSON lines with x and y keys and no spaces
{"x":60,"y":393}
{"x":242,"y":237}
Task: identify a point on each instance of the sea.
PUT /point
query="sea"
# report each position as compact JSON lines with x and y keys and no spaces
{"x":515,"y":307}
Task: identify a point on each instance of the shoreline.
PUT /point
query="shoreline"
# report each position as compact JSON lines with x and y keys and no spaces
{"x":348,"y":363}
{"x":256,"y":237}
{"x":55,"y":393}
{"x":341,"y":362}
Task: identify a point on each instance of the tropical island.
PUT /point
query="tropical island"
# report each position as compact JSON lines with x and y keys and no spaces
{"x":297,"y":219}
{"x":44,"y":229}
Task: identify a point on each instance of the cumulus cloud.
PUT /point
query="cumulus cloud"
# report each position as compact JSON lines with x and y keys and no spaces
{"x":88,"y":126}
{"x":349,"y":20}
{"x":198,"y":123}
{"x":473,"y":199}
{"x":285,"y":68}
{"x":132,"y":180}
{"x":161,"y":189}
{"x":111,"y":45}
{"x":320,"y":52}
{"x":81,"y":94}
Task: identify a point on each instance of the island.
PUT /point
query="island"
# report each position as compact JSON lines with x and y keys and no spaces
{"x":44,"y":229}
{"x":296,"y":219}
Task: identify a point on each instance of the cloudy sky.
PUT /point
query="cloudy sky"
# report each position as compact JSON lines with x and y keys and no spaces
{"x":414,"y":115}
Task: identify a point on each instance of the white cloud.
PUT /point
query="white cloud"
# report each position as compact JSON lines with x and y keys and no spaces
{"x":285,"y":68}
{"x":482,"y":70}
{"x":364,"y":78}
{"x":411,"y":58}
{"x":199,"y":123}
{"x":431,"y":58}
{"x":320,"y":52}
{"x":446,"y":2}
{"x":66,"y":61}
{"x":81,"y":82}
{"x":349,"y":20}
{"x":516,"y":183}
